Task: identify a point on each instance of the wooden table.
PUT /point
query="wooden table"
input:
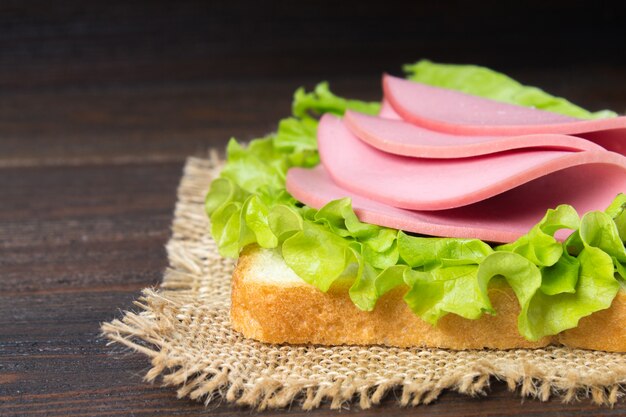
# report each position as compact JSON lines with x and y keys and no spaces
{"x":88,"y":176}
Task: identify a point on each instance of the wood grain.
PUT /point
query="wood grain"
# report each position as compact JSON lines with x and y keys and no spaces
{"x":79,"y":240}
{"x":74,"y":42}
{"x":102,"y":101}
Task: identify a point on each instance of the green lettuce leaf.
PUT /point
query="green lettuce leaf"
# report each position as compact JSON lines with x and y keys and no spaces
{"x":341,"y":219}
{"x":321,"y":101}
{"x":605,"y":231}
{"x":443,"y":278}
{"x":599,"y":230}
{"x":596,"y":287}
{"x":484,"y":82}
{"x":317,"y":255}
{"x":524,"y":278}
{"x":561,"y":277}
{"x":260,"y":164}
{"x":617,"y":211}
{"x":555,"y":283}
{"x":371,"y":283}
{"x":284,"y":221}
{"x":448,"y":289}
{"x":381,"y":250}
{"x":429,"y":252}
{"x":539,"y":245}
{"x":297,"y":139}
{"x":256,"y":216}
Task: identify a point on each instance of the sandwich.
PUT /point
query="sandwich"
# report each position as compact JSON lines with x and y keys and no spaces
{"x":464,"y":211}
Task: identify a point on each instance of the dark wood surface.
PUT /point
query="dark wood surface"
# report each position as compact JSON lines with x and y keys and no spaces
{"x":88,"y":180}
{"x":100,"y":106}
{"x":73,"y":42}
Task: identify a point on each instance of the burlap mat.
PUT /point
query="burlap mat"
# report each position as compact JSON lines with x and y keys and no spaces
{"x":183,"y":326}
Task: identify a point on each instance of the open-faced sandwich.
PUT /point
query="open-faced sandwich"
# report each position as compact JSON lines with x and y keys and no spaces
{"x":464,"y":211}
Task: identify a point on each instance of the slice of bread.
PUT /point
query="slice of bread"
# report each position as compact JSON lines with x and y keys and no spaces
{"x":270,"y":303}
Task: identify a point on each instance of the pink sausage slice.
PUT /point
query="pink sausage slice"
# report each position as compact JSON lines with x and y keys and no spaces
{"x":503,"y":218}
{"x":402,"y":138}
{"x":463,"y":114}
{"x":388,"y":112}
{"x":437,"y":184}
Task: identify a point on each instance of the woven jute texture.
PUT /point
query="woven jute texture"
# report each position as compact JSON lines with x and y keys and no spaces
{"x":183,"y":326}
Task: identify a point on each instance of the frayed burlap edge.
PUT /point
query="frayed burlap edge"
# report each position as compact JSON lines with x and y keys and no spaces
{"x":184,"y":328}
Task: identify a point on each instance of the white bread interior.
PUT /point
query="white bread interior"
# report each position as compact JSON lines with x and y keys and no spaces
{"x":270,"y":303}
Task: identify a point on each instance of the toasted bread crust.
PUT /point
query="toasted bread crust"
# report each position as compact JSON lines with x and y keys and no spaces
{"x":301,"y":314}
